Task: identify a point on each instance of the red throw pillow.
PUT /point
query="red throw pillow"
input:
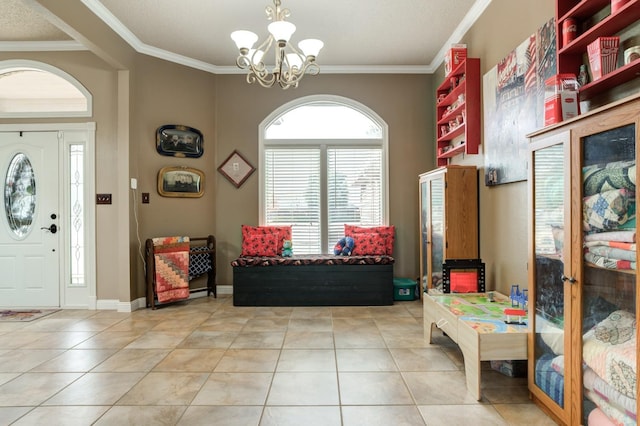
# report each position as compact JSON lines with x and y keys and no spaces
{"x":282,"y":233}
{"x":388,"y":232}
{"x":260,"y":244}
{"x":369,"y":244}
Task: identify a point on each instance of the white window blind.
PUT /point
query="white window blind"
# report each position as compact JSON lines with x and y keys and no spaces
{"x":292,"y":194}
{"x":354,"y":189}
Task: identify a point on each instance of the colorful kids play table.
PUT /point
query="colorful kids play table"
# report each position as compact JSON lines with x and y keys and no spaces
{"x":478,"y":327}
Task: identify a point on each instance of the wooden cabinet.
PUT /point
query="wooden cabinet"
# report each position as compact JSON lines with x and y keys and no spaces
{"x":458,"y":111}
{"x":593,"y":19}
{"x":583,"y":295}
{"x":448,"y":220}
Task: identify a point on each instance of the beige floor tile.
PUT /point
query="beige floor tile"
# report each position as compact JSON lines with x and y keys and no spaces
{"x":248,"y":361}
{"x":159,"y":339}
{"x":373,"y":388}
{"x":92,"y":324}
{"x":51,"y":324}
{"x":135,"y":416}
{"x":165,"y":389}
{"x":5,"y":377}
{"x":399,"y":324}
{"x":407,"y":415}
{"x":523,"y":415}
{"x":259,"y":340}
{"x":404,"y":338}
{"x":439,"y":387}
{"x":204,"y":339}
{"x":303,"y":389}
{"x":228,"y":416}
{"x":308,"y":340}
{"x":354,"y":324}
{"x":62,"y":416}
{"x":20,"y":360}
{"x":223,"y":324}
{"x":132,"y":324}
{"x":10,"y":414}
{"x":234,"y":389}
{"x":20,"y":338}
{"x":75,"y":360}
{"x":266,"y":324}
{"x":109,"y":339}
{"x":365,"y":360}
{"x":357,"y":339}
{"x":350,"y":312}
{"x":34,"y":388}
{"x":296,"y":416}
{"x":59,"y":340}
{"x":461,"y":415}
{"x":190,"y":360}
{"x":310,"y":324}
{"x":307,"y":360}
{"x":419,"y":359}
{"x":311,"y":312}
{"x":273,"y":311}
{"x":96,"y":389}
{"x":131,"y":360}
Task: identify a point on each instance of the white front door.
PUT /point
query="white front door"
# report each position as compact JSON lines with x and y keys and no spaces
{"x":30,"y":222}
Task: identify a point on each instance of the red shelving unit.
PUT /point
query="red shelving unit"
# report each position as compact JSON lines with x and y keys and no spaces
{"x":458,"y":111}
{"x":571,"y":56}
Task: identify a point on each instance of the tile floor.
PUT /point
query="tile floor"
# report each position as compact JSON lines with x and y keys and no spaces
{"x":206,"y":362}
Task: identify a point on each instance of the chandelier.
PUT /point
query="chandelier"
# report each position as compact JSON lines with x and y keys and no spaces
{"x":290,"y":63}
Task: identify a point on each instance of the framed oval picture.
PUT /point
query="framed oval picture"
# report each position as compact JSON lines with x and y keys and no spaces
{"x":180,"y":182}
{"x":179,"y":141}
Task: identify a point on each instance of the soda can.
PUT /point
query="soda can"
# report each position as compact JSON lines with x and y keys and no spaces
{"x":569,"y":31}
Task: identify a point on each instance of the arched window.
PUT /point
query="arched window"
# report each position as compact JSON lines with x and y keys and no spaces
{"x":35,"y":89}
{"x":323,"y":164}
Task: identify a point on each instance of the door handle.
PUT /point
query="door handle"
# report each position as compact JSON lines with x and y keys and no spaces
{"x":53,"y":228}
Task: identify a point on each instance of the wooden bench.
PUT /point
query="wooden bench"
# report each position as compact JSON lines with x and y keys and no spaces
{"x":201,"y":249}
{"x":311,"y":280}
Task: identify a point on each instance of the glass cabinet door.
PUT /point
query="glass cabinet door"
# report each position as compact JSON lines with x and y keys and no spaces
{"x":550,"y":204}
{"x":608,"y":284}
{"x":436,"y":232}
{"x":424,"y":238}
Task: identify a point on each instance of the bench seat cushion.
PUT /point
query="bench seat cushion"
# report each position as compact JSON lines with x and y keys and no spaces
{"x":312,"y":259}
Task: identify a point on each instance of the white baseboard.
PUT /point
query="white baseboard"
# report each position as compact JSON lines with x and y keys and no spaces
{"x":141,"y":302}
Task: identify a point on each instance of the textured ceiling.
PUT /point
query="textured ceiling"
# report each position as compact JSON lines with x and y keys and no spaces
{"x":359,"y":35}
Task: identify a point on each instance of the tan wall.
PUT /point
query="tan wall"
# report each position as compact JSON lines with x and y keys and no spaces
{"x":403,"y":102}
{"x":167,"y":93}
{"x":503,"y":215}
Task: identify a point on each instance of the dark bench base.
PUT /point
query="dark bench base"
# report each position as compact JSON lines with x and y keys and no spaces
{"x":313,"y":285}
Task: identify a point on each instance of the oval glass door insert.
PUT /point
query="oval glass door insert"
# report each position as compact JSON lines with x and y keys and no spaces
{"x":20,"y":195}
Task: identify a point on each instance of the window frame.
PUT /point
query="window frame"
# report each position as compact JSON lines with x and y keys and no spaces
{"x":323,"y":145}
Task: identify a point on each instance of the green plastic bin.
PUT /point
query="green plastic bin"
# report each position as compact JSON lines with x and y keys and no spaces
{"x":404,"y":289}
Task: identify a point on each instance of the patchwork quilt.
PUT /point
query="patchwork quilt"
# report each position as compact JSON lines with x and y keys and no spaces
{"x":171,"y":256}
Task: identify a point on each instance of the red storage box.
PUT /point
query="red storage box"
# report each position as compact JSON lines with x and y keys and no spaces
{"x":603,"y":56}
{"x":560,"y":98}
{"x":454,"y":57}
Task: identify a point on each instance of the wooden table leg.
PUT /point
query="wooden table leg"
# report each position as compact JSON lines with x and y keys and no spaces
{"x":469,"y":344}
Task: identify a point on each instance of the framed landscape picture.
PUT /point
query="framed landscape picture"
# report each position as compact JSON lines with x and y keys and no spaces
{"x":180,"y":182}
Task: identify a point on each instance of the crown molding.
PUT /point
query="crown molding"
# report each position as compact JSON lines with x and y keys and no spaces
{"x":40,"y":46}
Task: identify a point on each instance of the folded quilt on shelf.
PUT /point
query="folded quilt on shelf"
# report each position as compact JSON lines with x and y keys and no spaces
{"x":171,"y":256}
{"x":613,"y":253}
{"x":610,"y":350}
{"x":617,"y":417}
{"x":605,"y":391}
{"x":605,"y":262}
